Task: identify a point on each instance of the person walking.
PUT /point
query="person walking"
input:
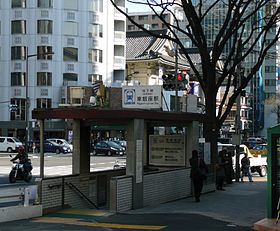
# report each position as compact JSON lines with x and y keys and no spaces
{"x":220,"y":170}
{"x":245,"y":168}
{"x":198,"y":173}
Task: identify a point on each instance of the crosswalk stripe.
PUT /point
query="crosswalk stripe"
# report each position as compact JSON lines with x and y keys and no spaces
{"x":72,"y":221}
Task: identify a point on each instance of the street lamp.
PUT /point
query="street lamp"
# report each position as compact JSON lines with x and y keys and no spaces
{"x":27,"y":101}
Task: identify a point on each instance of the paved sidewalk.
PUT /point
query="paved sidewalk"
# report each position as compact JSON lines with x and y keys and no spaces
{"x":241,"y":204}
{"x":236,"y":209}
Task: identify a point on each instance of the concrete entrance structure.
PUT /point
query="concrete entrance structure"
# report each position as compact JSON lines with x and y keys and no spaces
{"x":140,"y":124}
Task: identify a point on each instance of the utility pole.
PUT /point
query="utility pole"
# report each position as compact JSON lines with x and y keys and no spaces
{"x":237,"y":124}
{"x":176,"y":78}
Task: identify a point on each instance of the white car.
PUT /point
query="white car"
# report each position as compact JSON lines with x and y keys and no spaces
{"x":62,"y":142}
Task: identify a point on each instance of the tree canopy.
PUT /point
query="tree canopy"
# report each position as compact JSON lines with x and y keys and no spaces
{"x":242,"y":28}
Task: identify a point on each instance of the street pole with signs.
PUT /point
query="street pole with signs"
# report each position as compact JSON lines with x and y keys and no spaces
{"x":27,"y":100}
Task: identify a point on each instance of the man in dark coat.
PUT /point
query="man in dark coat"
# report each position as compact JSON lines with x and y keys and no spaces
{"x":198,"y":173}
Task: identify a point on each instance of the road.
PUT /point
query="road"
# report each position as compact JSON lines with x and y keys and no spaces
{"x":56,"y":165}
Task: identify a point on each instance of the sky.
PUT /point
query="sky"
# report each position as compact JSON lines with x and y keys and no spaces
{"x":136,"y":7}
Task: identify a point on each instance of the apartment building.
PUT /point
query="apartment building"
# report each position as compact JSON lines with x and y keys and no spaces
{"x":148,"y":20}
{"x":49,"y":46}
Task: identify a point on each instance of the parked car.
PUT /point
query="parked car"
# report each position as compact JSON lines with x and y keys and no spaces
{"x":108,"y":148}
{"x":62,"y":142}
{"x":49,"y":146}
{"x":9,"y":144}
{"x":120,"y":142}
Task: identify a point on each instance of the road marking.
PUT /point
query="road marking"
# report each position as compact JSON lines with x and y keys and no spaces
{"x":84,"y":212}
{"x":72,"y":221}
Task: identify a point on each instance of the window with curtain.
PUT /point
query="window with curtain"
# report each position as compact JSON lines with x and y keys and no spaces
{"x":96,"y":30}
{"x":18,"y":52}
{"x":95,"y":55}
{"x":18,"y":3}
{"x":44,"y":27}
{"x":44,"y":103}
{"x":96,"y":5}
{"x":44,"y":79}
{"x":94,"y":77}
{"x":18,"y":27}
{"x":45,"y":3}
{"x":18,"y":79}
{"x":69,"y":77}
{"x":44,"y":52}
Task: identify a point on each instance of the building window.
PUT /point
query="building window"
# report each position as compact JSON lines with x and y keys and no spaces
{"x":44,"y":79}
{"x":44,"y":52}
{"x":270,"y":69}
{"x":94,"y":77}
{"x":18,"y":3}
{"x":131,"y":27}
{"x":270,"y":82}
{"x":18,"y":52}
{"x":17,"y":79}
{"x":70,"y":28}
{"x":44,"y":27}
{"x":18,"y":27}
{"x":96,"y":5}
{"x":71,"y":4}
{"x":95,"y":55}
{"x":70,"y":54}
{"x":44,"y":103}
{"x":68,"y":77}
{"x":155,"y":26}
{"x":18,"y":112}
{"x":143,"y":17}
{"x":45,"y":3}
{"x":96,"y":30}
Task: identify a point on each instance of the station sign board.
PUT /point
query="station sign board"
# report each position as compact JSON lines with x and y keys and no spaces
{"x":167,"y":150}
{"x":142,"y":97}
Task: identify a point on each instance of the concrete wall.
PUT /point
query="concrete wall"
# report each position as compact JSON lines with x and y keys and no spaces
{"x":121,"y":194}
{"x":159,"y":187}
{"x":166,"y":186}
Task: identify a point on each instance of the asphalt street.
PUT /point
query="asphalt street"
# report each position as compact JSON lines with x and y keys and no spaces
{"x":236,"y":209}
{"x":55,"y":165}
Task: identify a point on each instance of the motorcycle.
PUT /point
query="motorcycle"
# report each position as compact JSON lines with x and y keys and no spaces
{"x":21,"y":171}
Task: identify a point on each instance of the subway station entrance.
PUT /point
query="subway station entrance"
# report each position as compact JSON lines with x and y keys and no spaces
{"x":141,"y":183}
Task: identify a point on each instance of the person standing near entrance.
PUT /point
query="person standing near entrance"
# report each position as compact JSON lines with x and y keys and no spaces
{"x":220,"y":170}
{"x":245,"y":168}
{"x":198,"y":174}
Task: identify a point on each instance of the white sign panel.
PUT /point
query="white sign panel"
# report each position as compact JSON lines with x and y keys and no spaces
{"x":144,"y":97}
{"x":207,"y":152}
{"x":139,"y":160}
{"x":167,"y":150}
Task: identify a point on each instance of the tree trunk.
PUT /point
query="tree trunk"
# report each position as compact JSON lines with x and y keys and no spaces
{"x":210,"y":127}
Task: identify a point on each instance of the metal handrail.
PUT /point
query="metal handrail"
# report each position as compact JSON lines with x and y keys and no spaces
{"x":82,"y":194}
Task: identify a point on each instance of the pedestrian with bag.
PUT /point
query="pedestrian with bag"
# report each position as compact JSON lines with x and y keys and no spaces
{"x":198,"y":173}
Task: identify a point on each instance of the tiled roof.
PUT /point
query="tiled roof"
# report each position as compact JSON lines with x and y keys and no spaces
{"x":139,"y":44}
{"x":142,"y":46}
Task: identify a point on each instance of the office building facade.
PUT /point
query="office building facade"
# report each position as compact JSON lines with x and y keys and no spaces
{"x":47,"y":46}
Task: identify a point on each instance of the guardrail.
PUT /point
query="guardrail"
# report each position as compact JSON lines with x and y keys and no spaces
{"x":16,"y":196}
{"x":17,"y":203}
